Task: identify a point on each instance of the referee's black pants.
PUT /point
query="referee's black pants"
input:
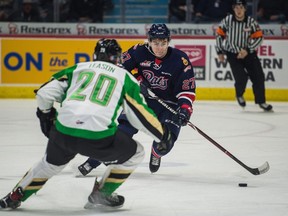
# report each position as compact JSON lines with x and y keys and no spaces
{"x":242,"y":70}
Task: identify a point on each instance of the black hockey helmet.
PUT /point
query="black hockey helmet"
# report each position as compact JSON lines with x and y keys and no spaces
{"x":107,"y":50}
{"x":159,"y":31}
{"x":239,"y":2}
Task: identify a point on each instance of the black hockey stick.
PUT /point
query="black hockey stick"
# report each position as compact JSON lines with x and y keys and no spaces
{"x":255,"y":171}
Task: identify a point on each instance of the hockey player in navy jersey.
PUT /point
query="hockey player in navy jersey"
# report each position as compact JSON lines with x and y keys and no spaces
{"x":169,"y":74}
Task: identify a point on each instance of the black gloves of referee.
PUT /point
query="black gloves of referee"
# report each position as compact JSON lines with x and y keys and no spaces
{"x":46,"y":120}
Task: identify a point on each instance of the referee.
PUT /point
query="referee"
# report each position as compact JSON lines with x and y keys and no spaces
{"x":238,"y":36}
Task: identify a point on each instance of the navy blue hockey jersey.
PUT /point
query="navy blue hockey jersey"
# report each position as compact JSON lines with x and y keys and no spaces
{"x":171,"y":78}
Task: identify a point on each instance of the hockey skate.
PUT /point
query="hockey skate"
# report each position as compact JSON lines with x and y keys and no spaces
{"x":13,"y":199}
{"x":241,"y":101}
{"x":98,"y":199}
{"x":266,"y":107}
{"x":154,"y":163}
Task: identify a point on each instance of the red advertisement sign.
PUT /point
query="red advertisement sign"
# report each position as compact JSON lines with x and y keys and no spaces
{"x":197,"y":56}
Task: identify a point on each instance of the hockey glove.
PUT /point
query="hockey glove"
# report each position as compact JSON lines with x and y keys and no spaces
{"x":166,"y":143}
{"x":184,"y":113}
{"x":46,"y":120}
{"x":144,"y":85}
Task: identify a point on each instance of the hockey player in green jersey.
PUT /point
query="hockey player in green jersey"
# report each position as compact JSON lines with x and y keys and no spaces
{"x":92,"y":95}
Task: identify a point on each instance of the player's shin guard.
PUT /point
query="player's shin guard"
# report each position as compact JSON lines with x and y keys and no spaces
{"x":114,"y":177}
{"x":35,"y":178}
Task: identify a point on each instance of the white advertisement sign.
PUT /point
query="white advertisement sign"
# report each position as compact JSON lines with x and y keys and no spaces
{"x":121,"y":29}
{"x":212,"y":73}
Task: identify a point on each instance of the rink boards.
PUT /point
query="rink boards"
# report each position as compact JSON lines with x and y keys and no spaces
{"x":26,"y":63}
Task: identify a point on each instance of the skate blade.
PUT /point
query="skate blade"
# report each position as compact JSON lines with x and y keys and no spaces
{"x":89,"y":205}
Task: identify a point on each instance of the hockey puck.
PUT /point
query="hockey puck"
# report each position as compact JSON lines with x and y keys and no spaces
{"x":242,"y":184}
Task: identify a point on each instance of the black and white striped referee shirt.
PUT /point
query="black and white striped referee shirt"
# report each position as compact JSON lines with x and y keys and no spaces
{"x":233,"y":35}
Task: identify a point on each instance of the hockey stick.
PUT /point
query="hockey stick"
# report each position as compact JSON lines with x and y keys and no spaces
{"x":255,"y":171}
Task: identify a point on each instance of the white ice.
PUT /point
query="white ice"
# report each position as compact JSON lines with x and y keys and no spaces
{"x":196,"y":178}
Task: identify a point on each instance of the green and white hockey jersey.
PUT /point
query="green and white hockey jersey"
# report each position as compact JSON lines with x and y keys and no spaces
{"x":92,"y":95}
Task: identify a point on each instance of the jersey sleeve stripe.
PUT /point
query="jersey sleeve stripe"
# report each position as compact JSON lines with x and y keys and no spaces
{"x":257,"y":34}
{"x":145,"y":118}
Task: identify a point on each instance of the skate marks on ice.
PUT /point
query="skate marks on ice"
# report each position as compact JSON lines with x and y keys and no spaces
{"x":194,"y":179}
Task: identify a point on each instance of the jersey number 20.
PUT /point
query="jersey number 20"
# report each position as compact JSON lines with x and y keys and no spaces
{"x":102,"y":90}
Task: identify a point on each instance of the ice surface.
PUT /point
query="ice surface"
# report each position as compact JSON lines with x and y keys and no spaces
{"x":196,"y":178}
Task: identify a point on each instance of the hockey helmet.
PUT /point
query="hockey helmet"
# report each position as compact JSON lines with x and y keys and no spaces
{"x":239,"y":2}
{"x":107,"y":50}
{"x":159,"y":31}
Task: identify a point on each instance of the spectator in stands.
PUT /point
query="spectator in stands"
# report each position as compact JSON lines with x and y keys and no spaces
{"x":286,"y":11}
{"x":212,"y":10}
{"x":178,"y":9}
{"x":88,"y":10}
{"x":6,"y":9}
{"x":64,"y":10}
{"x":46,"y":8}
{"x":27,"y":13}
{"x":271,"y":11}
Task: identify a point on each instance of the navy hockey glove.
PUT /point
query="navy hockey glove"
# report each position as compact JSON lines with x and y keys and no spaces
{"x":46,"y":120}
{"x":184,"y":114}
{"x":166,"y":143}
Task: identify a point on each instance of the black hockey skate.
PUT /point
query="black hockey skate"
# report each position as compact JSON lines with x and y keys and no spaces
{"x":241,"y":101}
{"x":13,"y":199}
{"x":99,"y":199}
{"x":266,"y":107}
{"x":154,"y":163}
